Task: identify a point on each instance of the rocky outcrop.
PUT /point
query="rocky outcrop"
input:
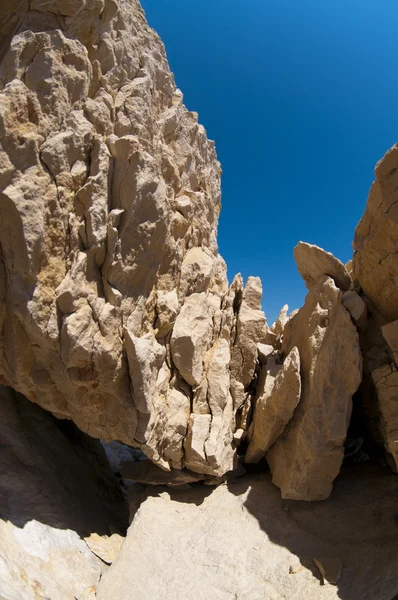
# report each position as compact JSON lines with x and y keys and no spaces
{"x":375,"y":264}
{"x":241,"y":542}
{"x":115,"y":309}
{"x":56,"y":489}
{"x":275,"y":406}
{"x":375,"y":271}
{"x":313,"y":262}
{"x":307,"y":457}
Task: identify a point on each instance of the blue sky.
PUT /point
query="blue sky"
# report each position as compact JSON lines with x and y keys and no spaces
{"x":301,"y":99}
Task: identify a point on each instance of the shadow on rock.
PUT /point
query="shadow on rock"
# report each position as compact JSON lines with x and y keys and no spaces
{"x":357,"y":526}
{"x":52,"y":473}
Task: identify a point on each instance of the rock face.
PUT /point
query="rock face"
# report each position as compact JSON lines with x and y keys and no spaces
{"x":307,"y":457}
{"x":274,"y":408}
{"x":115,"y":309}
{"x":191,"y":544}
{"x":375,"y":271}
{"x":313,"y":262}
{"x":375,"y":264}
{"x":45,"y":512}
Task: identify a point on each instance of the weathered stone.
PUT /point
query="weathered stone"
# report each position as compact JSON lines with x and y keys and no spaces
{"x":357,"y":308}
{"x":314,"y":263}
{"x":191,"y":336}
{"x":208,"y":447}
{"x":250,"y":329}
{"x":110,"y":195}
{"x":390,"y":334}
{"x":385,"y":379}
{"x":264,"y":351}
{"x":241,"y":541}
{"x":307,"y":457}
{"x":281,"y":321}
{"x":104,"y":546}
{"x":375,"y":264}
{"x":56,"y":487}
{"x":274,"y":408}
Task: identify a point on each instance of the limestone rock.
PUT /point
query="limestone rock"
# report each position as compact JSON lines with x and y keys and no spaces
{"x":307,"y":457}
{"x":250,"y":329}
{"x":56,"y":487}
{"x":281,"y":321}
{"x":357,"y":308}
{"x":314,"y":263}
{"x":237,"y":541}
{"x":208,"y":445}
{"x":110,"y":196}
{"x":273,"y":410}
{"x":375,"y":264}
{"x":390,"y":334}
{"x":264,"y":351}
{"x":190,"y":337}
{"x":104,"y":546}
{"x":385,"y":379}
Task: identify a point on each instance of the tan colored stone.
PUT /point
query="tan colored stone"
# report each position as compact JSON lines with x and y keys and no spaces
{"x":264,"y":351}
{"x":314,"y":263}
{"x":281,"y":321}
{"x":250,"y":329}
{"x":385,"y":379}
{"x":273,"y":410}
{"x":191,"y":336}
{"x":110,"y":195}
{"x":239,"y":542}
{"x":307,"y":457}
{"x":390,"y":334}
{"x":375,"y":264}
{"x":357,"y":308}
{"x":104,"y":546}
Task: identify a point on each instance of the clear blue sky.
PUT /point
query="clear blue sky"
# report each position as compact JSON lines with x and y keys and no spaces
{"x":301,"y":99}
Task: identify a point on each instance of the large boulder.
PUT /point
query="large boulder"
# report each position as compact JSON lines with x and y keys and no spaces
{"x":241,"y":541}
{"x":375,"y":264}
{"x":314,"y":263}
{"x":375,"y":271}
{"x":56,"y":491}
{"x":307,"y":457}
{"x":112,"y":291}
{"x":274,"y":407}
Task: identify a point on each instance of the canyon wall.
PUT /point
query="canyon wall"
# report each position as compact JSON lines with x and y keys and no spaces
{"x":115,"y":308}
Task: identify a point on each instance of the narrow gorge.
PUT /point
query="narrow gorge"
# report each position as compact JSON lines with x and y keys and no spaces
{"x":120,"y":332}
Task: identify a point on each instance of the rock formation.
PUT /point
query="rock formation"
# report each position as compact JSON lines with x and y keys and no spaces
{"x":57,"y":494}
{"x":115,"y":309}
{"x":116,"y":316}
{"x":307,"y":457}
{"x":241,"y":542}
{"x":375,"y":271}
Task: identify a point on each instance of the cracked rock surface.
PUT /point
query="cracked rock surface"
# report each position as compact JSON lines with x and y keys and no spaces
{"x":115,"y":309}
